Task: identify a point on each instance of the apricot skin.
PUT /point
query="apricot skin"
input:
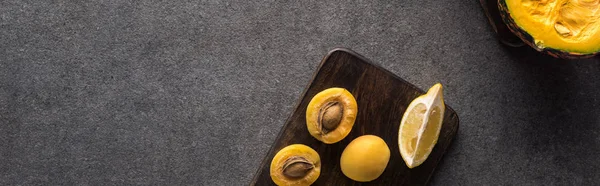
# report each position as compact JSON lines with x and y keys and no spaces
{"x":365,"y":158}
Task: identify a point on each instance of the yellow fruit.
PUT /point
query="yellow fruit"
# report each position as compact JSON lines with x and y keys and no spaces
{"x":296,"y":164}
{"x":330,"y":115}
{"x":365,"y":158}
{"x":420,"y":126}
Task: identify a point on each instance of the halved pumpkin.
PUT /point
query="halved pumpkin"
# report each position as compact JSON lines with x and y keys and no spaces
{"x":561,"y":28}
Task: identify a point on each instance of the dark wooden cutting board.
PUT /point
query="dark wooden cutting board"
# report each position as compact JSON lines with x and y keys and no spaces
{"x":382,"y":98}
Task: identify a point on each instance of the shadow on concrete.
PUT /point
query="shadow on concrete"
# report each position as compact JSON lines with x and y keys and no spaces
{"x":554,"y":125}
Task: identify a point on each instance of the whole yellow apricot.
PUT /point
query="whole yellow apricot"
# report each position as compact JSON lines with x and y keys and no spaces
{"x":365,"y":158}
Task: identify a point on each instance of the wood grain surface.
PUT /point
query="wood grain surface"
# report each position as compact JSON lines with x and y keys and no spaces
{"x":382,"y":98}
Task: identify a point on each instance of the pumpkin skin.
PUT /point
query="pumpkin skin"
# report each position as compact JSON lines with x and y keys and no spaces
{"x":565,"y":49}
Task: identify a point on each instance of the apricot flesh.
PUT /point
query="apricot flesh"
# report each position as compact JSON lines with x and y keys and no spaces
{"x":295,"y":164}
{"x":365,"y":158}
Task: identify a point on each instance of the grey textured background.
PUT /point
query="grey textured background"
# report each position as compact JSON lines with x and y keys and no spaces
{"x":194,"y":92}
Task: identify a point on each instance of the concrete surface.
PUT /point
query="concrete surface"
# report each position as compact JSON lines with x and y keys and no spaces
{"x":194,"y":92}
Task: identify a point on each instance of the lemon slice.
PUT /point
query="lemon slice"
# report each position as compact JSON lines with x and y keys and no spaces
{"x":420,"y":126}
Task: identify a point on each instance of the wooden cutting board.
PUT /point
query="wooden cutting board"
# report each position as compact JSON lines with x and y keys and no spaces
{"x":382,"y":98}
